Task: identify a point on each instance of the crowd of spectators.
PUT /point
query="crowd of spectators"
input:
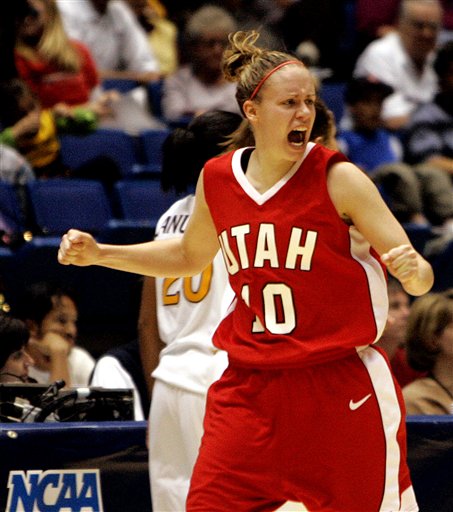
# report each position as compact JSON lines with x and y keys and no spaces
{"x":395,"y":58}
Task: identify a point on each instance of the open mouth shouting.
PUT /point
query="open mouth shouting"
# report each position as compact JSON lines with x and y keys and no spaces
{"x":297,"y":137}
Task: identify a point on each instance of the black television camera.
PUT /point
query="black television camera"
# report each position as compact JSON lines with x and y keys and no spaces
{"x":38,"y":403}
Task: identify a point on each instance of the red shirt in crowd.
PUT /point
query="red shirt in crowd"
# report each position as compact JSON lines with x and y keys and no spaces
{"x":53,"y":85}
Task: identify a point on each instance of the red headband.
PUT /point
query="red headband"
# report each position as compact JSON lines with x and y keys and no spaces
{"x":269,"y":73}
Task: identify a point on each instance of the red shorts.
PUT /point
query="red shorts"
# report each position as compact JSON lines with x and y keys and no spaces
{"x":330,"y":436}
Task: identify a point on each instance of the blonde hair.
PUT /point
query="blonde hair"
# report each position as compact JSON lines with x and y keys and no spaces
{"x":247,"y":64}
{"x":54,"y":45}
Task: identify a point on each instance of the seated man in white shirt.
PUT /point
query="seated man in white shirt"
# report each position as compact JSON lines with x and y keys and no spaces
{"x":403,"y":59}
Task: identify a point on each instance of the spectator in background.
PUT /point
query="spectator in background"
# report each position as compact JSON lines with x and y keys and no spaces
{"x":17,"y":171}
{"x":14,"y":358}
{"x":403,"y":60}
{"x":430,"y":349}
{"x":14,"y":168}
{"x":377,"y":19}
{"x":199,"y":84}
{"x":117,"y":42}
{"x":50,"y":314}
{"x":393,"y":339}
{"x":324,"y":129}
{"x":429,"y":134}
{"x":61,"y":70}
{"x":419,"y":194}
{"x":56,"y":68}
{"x":162,"y":33}
{"x":394,"y":333}
{"x":33,"y":131}
{"x":121,"y":368}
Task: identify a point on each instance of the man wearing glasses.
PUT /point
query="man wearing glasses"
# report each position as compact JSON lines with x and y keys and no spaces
{"x":403,"y":59}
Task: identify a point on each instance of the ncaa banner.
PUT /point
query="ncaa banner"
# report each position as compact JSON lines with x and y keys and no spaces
{"x":74,"y":467}
{"x":54,"y":491}
{"x":103,"y":467}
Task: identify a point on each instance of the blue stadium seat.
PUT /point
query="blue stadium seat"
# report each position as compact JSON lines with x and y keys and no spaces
{"x":62,"y":203}
{"x":419,"y":235}
{"x":117,"y":145}
{"x":119,"y":84}
{"x":153,"y":89}
{"x":11,"y":215}
{"x":143,"y":201}
{"x":333,"y":95}
{"x":442,"y":265}
{"x":151,"y":143}
{"x":155,"y":98}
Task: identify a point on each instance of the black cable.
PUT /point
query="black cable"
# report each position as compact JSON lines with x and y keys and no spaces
{"x":53,"y":388}
{"x":54,"y":405}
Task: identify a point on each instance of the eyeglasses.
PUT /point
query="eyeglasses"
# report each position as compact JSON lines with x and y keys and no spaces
{"x":420,"y":25}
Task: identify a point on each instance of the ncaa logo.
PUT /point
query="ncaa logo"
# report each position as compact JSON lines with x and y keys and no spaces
{"x":54,"y":491}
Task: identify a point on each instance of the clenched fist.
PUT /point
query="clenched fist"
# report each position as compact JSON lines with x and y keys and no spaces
{"x":78,"y":248}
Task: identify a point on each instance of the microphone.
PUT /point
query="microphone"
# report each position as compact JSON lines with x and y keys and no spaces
{"x":52,"y":390}
{"x":55,"y":386}
{"x":59,"y":384}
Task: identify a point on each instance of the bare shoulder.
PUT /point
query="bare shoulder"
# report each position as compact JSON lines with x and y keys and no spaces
{"x":346,"y":173}
{"x":349,"y":187}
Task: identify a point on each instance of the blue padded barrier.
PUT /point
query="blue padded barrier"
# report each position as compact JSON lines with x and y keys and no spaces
{"x":116,"y":450}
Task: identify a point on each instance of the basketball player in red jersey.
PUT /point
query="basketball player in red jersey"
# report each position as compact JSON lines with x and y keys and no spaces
{"x":308,"y":410}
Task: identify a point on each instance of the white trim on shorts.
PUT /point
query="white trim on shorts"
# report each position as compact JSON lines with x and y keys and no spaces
{"x":378,"y":369}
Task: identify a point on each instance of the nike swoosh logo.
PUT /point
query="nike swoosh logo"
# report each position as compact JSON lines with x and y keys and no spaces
{"x":355,"y":405}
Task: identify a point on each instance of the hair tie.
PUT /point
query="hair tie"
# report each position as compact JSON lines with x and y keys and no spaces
{"x":269,"y":73}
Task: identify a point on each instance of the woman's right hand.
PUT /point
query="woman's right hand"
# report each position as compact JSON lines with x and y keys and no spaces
{"x":51,"y":344}
{"x":78,"y":248}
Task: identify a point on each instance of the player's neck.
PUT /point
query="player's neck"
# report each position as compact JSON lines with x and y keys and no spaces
{"x":263,"y":173}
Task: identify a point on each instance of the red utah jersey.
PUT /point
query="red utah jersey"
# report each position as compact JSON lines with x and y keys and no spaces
{"x":308,"y":287}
